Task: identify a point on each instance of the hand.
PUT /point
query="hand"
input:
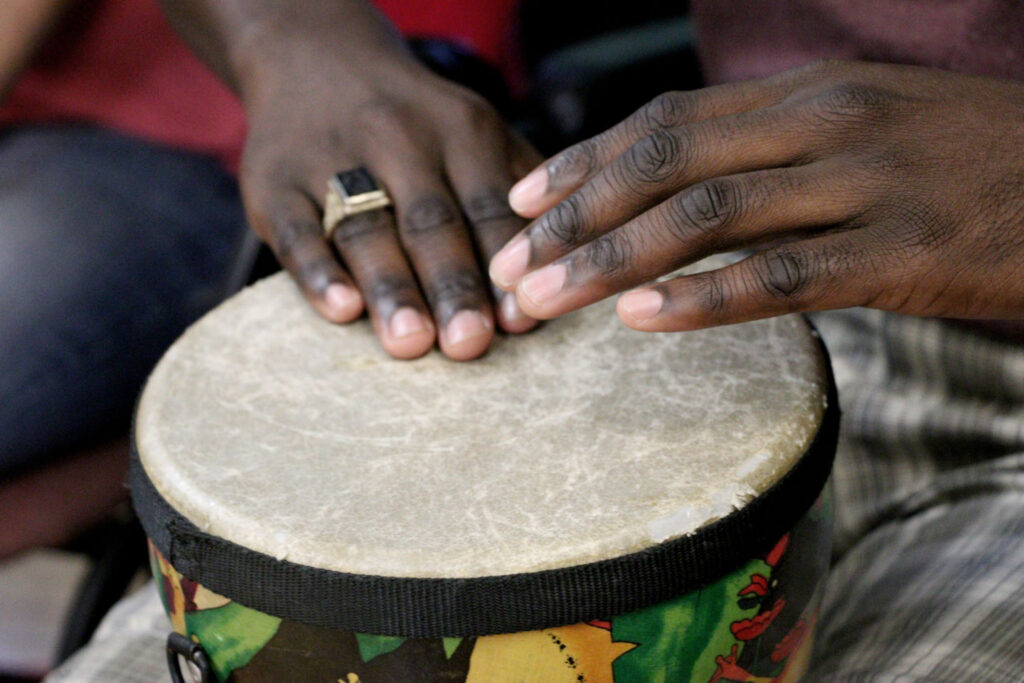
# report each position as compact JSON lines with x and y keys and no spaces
{"x":24,"y":26}
{"x":447,"y":161}
{"x":899,"y":188}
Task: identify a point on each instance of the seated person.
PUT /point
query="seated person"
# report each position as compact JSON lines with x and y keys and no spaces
{"x":857,"y":184}
{"x":120,"y":223}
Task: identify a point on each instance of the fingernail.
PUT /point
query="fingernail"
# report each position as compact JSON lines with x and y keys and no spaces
{"x":510,"y":311}
{"x":406,"y":321}
{"x":466,"y":325}
{"x":341,"y":299}
{"x":543,"y":285}
{"x":642,"y":304}
{"x":509,"y":264}
{"x":529,"y":190}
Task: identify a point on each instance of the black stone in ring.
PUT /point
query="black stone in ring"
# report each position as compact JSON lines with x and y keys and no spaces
{"x":356,"y":182}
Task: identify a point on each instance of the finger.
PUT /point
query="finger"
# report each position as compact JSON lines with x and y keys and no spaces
{"x":829,"y":272}
{"x":560,"y":175}
{"x":650,"y":170}
{"x":714,"y":216}
{"x":438,"y":246}
{"x":492,"y":222}
{"x":480,"y":178}
{"x":523,"y":157}
{"x":369,"y":244}
{"x":288,"y":221}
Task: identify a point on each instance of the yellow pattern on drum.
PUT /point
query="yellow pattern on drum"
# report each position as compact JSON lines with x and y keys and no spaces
{"x":567,"y":654}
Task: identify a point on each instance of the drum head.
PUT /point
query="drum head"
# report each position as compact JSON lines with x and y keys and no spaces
{"x":302,"y":440}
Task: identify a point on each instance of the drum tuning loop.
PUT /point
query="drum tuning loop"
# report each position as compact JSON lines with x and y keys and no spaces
{"x":198,"y":664}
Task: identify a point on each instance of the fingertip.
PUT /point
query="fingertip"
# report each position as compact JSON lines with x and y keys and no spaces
{"x":512,"y":318}
{"x":467,"y":335}
{"x":628,"y":320}
{"x":542,"y":289}
{"x":408,"y":334}
{"x":340,"y":303}
{"x":645,"y":310}
{"x":639,"y":306}
{"x":529,"y":308}
{"x":509,"y":265}
{"x":527,"y":196}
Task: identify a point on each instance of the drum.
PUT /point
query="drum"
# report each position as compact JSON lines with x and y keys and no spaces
{"x":586,"y":503}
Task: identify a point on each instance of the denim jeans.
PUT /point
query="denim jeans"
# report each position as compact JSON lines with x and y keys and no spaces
{"x":109,"y":248}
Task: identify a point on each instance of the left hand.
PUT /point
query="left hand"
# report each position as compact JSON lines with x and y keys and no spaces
{"x":893,"y":187}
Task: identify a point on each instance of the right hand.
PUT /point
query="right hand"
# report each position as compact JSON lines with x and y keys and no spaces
{"x":444,"y":156}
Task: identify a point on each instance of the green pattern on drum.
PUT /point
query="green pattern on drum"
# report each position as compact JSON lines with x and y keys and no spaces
{"x":696,"y":625}
{"x":371,"y":646}
{"x":753,"y":625}
{"x":451,"y":645}
{"x":231,"y":635}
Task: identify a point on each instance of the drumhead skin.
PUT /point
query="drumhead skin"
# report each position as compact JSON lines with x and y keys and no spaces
{"x":585,"y":503}
{"x":302,"y":440}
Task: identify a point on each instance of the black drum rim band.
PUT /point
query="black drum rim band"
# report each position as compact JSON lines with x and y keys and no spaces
{"x":477,"y":606}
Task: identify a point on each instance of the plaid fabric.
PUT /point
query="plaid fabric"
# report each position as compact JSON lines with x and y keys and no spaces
{"x":928,"y":582}
{"x":128,"y":647}
{"x":928,"y":576}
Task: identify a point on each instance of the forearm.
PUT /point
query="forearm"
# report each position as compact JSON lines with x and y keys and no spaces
{"x":248,"y":43}
{"x":24,"y":24}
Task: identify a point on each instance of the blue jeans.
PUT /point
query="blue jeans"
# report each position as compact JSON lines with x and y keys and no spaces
{"x":109,"y":248}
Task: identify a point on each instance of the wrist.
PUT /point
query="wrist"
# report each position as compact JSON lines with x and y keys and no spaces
{"x":274,"y":59}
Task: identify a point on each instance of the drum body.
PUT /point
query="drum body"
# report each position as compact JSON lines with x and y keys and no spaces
{"x":584,"y":504}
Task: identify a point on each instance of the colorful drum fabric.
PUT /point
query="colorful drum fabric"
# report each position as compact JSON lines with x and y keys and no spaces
{"x":585,"y":503}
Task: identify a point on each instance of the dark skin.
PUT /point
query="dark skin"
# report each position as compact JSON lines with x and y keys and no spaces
{"x":24,"y":25}
{"x":327,"y":86}
{"x":899,"y":188}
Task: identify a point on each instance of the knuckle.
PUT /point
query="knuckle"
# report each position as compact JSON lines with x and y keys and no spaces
{"x":472,"y":112}
{"x":847,"y":99}
{"x":656,"y":157}
{"x":391,"y":292}
{"x":563,"y":224}
{"x":315,"y":273}
{"x":917,"y":227}
{"x":609,"y":255}
{"x":783,"y":274}
{"x":454,"y":290}
{"x":704,"y":209}
{"x":577,"y":162}
{"x":290,"y":236}
{"x":709,"y":292}
{"x":456,"y":283}
{"x":667,"y":110}
{"x":427,"y":215}
{"x":360,"y":228}
{"x":489,"y":204}
{"x":382,"y":119}
{"x":299,"y":247}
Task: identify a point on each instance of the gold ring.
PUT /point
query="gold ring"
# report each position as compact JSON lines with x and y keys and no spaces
{"x":351,"y":192}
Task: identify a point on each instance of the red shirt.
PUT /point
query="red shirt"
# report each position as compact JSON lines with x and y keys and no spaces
{"x":126,"y":69}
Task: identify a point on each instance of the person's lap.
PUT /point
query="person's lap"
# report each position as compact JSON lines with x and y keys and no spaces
{"x":109,"y":248}
{"x":928,"y":581}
